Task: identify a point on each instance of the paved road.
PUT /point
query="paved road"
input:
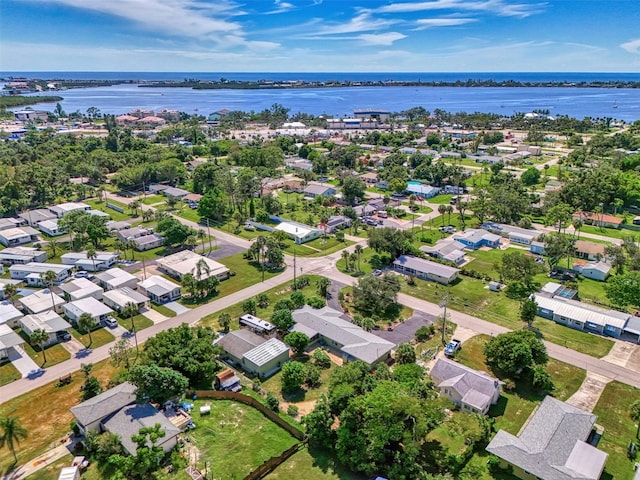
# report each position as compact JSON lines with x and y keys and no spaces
{"x":319,"y":266}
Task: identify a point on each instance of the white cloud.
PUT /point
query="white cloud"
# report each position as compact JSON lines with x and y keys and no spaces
{"x":497,"y":7}
{"x":360,"y":23}
{"x":425,"y":23}
{"x":632,"y":46}
{"x":381,"y":39}
{"x":280,"y":7}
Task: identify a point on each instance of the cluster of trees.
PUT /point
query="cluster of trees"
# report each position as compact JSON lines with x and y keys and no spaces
{"x":200,"y":282}
{"x":376,"y":295}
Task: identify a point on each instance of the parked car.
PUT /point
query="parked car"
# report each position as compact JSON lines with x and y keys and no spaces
{"x":63,"y":336}
{"x":81,"y":274}
{"x":376,"y":273}
{"x":452,"y":347}
{"x":110,"y":322}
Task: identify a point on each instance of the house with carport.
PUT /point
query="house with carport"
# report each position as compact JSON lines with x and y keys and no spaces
{"x":98,"y":311}
{"x":299,"y":232}
{"x":63,"y":209}
{"x":50,"y":322}
{"x":314,"y":190}
{"x":120,"y":297}
{"x":148,"y":242}
{"x":12,"y":237}
{"x":9,"y":314}
{"x":425,"y":269}
{"x":159,"y":289}
{"x":116,"y":278}
{"x":51,"y":227}
{"x":31,"y":273}
{"x":256,"y":355}
{"x":8,"y":340}
{"x":477,"y":238}
{"x":79,"y":288}
{"x":22,"y":255}
{"x":179,"y":264}
{"x":34,"y":217}
{"x":472,"y":391}
{"x":449,"y":250}
{"x":41,"y":301}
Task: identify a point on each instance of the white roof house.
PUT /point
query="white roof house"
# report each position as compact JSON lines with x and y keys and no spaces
{"x":116,"y":278}
{"x":352,"y":341}
{"x":9,"y":314}
{"x":22,"y":255}
{"x":447,"y":249}
{"x":12,"y":237}
{"x":41,"y":301}
{"x":425,"y":269}
{"x":30,"y":272}
{"x":118,"y":298}
{"x":299,"y":232}
{"x":159,"y":289}
{"x":48,"y":321}
{"x":8,"y":339}
{"x":131,"y":233}
{"x":147,"y":242}
{"x":89,"y":305}
{"x":180,"y":263}
{"x":51,"y":227}
{"x":81,"y":288}
{"x":101,"y":260}
{"x":33,"y":217}
{"x":6,"y":223}
{"x":64,"y":208}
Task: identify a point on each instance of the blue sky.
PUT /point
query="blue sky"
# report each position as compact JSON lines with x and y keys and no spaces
{"x":320,"y":35}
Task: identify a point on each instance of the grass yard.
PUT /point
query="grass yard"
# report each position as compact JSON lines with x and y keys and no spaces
{"x":166,"y":311}
{"x":190,"y":214}
{"x":224,"y":441}
{"x":8,"y":373}
{"x":46,"y":426}
{"x":56,"y":353}
{"x":471,"y":296}
{"x":313,"y":464}
{"x":273,"y":385}
{"x":152,"y":199}
{"x":613,"y":414}
{"x":99,"y":337}
{"x":115,"y":215}
{"x":513,"y":408}
{"x":276,"y":293}
{"x":444,"y":198}
{"x":606,"y":232}
{"x":395,"y":313}
{"x":52,"y":471}
{"x":140,"y":322}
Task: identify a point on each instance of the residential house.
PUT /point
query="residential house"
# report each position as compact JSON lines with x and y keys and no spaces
{"x":147,"y":242}
{"x":126,"y":119}
{"x":372,"y":114}
{"x":256,"y":324}
{"x":425,"y":269}
{"x":314,"y":190}
{"x":7,"y":223}
{"x":598,"y":219}
{"x":116,"y":278}
{"x":475,"y":239}
{"x":151,"y":121}
{"x":64,"y":208}
{"x":537,"y":248}
{"x":253,"y":353}
{"x":127,"y":422}
{"x":12,"y":237}
{"x":370,"y":177}
{"x":51,"y":227}
{"x":159,"y":289}
{"x":131,"y":233}
{"x":9,"y":314}
{"x":227,"y":381}
{"x":594,"y":270}
{"x":34,"y":217}
{"x":554,"y":444}
{"x":299,"y":232}
{"x":173,"y":192}
{"x":30,"y":272}
{"x":193,"y":199}
{"x":292,"y":186}
{"x":589,"y":250}
{"x":79,"y":288}
{"x":179,"y":264}
{"x":50,"y":322}
{"x":90,"y":413}
{"x":114,"y":226}
{"x":98,"y":311}
{"x":30,"y":115}
{"x":120,"y":297}
{"x":100,"y":261}
{"x":422,"y":191}
{"x":3,"y":283}
{"x":336,"y":222}
{"x":8,"y":340}
{"x":446,"y":249}
{"x":157,"y":188}
{"x":471,"y":390}
{"x":22,"y":255}
{"x":329,"y":327}
{"x":522,"y":236}
{"x":69,"y":473}
{"x":41,"y":301}
{"x":578,"y":315}
{"x":488,"y":159}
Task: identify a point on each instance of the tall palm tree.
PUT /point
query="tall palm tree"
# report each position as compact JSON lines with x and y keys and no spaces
{"x":10,"y":290}
{"x":12,"y":433}
{"x":131,"y":245}
{"x":53,"y":247}
{"x":201,"y":236}
{"x":91,"y":253}
{"x":442,"y":209}
{"x":48,"y":278}
{"x":358,"y":251}
{"x":346,"y":258}
{"x":577,"y":225}
{"x":134,"y":207}
{"x":85,"y":324}
{"x":323,"y":284}
{"x":39,"y":337}
{"x":131,"y":310}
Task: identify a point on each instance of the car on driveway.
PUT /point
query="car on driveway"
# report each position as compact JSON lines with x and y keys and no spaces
{"x":452,"y":347}
{"x":81,"y":274}
{"x":376,"y":273}
{"x":63,"y":336}
{"x":110,"y":322}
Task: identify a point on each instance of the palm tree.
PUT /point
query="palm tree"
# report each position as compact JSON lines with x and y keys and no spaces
{"x":91,"y":253}
{"x":346,"y":258}
{"x":191,"y":241}
{"x":39,"y":337}
{"x":358,"y":251}
{"x":53,"y":247}
{"x":201,"y":236}
{"x":634,"y":413}
{"x":323,"y":284}
{"x":131,"y":310}
{"x":12,"y":433}
{"x":131,"y":245}
{"x":48,"y":278}
{"x":147,"y":215}
{"x":10,"y":290}
{"x":134,"y":207}
{"x":577,"y":225}
{"x":85,"y":324}
{"x":442,"y":209}
{"x":449,"y":212}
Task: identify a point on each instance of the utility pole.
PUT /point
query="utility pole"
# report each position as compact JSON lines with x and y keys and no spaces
{"x":295,"y":286}
{"x":443,"y":304}
{"x":209,"y":235}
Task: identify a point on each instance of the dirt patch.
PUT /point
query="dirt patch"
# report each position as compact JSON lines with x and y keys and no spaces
{"x":304,"y":408}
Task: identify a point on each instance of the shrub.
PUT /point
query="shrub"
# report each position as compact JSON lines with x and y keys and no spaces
{"x":423,"y":334}
{"x":340,"y":236}
{"x":292,"y":410}
{"x":411,"y":280}
{"x":298,"y":300}
{"x":316,"y":302}
{"x":273,"y":403}
{"x":321,"y":359}
{"x":283,"y":304}
{"x":300,"y":283}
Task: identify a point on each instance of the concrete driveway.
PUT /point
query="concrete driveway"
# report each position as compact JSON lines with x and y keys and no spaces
{"x":405,"y":332}
{"x":176,"y":307}
{"x":22,"y":361}
{"x":225,"y":249}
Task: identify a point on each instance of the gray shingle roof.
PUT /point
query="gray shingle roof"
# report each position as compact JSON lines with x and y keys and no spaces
{"x":239,"y":342}
{"x":425,"y":266}
{"x":105,"y":404}
{"x":476,"y":388}
{"x":552,"y":444}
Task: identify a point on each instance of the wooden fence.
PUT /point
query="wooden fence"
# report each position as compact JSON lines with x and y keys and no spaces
{"x":270,"y":465}
{"x":252,"y":402}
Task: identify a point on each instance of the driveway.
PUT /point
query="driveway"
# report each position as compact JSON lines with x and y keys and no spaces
{"x":589,"y":392}
{"x":22,"y":361}
{"x":333,"y":292}
{"x":153,"y":315}
{"x":176,"y":307}
{"x":225,"y":249}
{"x":405,"y":332}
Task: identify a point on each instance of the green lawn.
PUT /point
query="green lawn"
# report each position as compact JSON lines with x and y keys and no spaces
{"x":99,"y":337}
{"x":313,"y":464}
{"x":613,"y":414}
{"x":56,"y":353}
{"x":513,"y":408}
{"x":140,"y":322}
{"x":166,"y":311}
{"x":235,"y":438}
{"x":607,"y":232}
{"x":440,"y":199}
{"x":276,"y":293}
{"x":8,"y":373}
{"x":152,"y":199}
{"x":115,"y":215}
